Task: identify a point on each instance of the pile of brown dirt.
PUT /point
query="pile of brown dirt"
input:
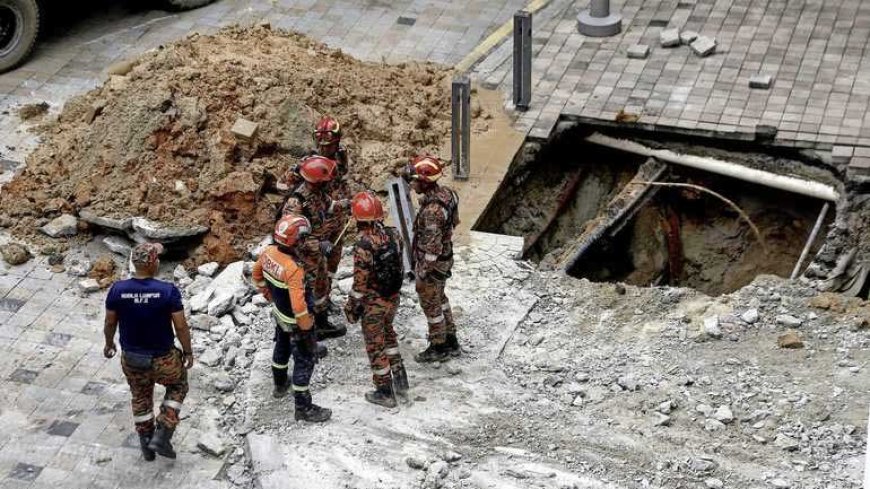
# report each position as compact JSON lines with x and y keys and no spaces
{"x":157,"y":142}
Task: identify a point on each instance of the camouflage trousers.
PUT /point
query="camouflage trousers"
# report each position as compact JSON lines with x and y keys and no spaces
{"x":382,"y":345}
{"x":316,"y":280}
{"x":167,"y":370}
{"x":436,"y":306}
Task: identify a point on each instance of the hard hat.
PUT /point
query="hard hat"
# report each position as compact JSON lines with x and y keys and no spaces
{"x":318,"y":169}
{"x":366,"y":207}
{"x":290,"y":229}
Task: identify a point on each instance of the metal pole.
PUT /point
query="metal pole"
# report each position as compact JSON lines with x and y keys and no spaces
{"x":402,"y":212}
{"x":598,"y":21}
{"x":522,"y":60}
{"x":461,"y":128}
{"x":811,"y":240}
{"x":599,"y":8}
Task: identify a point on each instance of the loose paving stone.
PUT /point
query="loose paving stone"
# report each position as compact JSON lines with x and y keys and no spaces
{"x":65,"y":225}
{"x":760,"y":81}
{"x":703,"y":46}
{"x":669,"y":38}
{"x":688,"y":37}
{"x":842,"y":154}
{"x":638,"y":51}
{"x":245,"y":129}
{"x":25,"y":472}
{"x":23,"y":376}
{"x":62,"y":428}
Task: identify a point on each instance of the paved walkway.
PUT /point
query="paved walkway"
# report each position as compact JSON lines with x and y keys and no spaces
{"x":815,"y":50}
{"x":75,"y":57}
{"x":65,"y":410}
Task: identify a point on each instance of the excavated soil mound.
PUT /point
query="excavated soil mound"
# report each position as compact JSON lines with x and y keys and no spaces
{"x":157,"y":142}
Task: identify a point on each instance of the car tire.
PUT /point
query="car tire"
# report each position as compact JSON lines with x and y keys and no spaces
{"x":19,"y":29}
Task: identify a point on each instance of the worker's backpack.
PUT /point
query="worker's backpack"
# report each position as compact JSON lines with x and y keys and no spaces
{"x":387,"y":262}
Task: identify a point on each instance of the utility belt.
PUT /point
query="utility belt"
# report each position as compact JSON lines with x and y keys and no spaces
{"x":143,"y":361}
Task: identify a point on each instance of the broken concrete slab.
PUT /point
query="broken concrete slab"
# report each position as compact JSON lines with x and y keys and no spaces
{"x":638,"y":51}
{"x":118,"y":245}
{"x":245,"y":129}
{"x":841,"y":155}
{"x":760,"y":81}
{"x":669,"y":38}
{"x":703,"y":46}
{"x":65,"y":225}
{"x":161,"y":232}
{"x":211,"y":444}
{"x":208,"y":269}
{"x":859,"y":166}
{"x":203,"y":322}
{"x":89,"y":285}
{"x":120,"y":224}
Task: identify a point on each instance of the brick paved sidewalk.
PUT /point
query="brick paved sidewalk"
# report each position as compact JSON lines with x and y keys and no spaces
{"x":815,"y":51}
{"x":65,"y":416}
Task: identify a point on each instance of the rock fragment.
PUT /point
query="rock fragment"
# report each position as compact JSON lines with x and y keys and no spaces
{"x":750,"y":316}
{"x":790,"y":340}
{"x":65,"y":225}
{"x":211,"y":444}
{"x":208,"y":269}
{"x":723,"y":414}
{"x":786,"y":442}
{"x":244,"y":129}
{"x":788,"y":321}
{"x":703,"y":46}
{"x":669,"y":38}
{"x":210,"y":358}
{"x":89,"y":285}
{"x":14,"y":254}
{"x":118,"y":245}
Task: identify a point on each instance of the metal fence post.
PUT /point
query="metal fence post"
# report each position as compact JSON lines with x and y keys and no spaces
{"x":461,"y":128}
{"x":522,"y":60}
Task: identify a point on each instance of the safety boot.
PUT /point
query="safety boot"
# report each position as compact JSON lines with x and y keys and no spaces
{"x":308,"y":411}
{"x":436,"y":352}
{"x":382,"y":396}
{"x":160,"y":442}
{"x":282,"y":385}
{"x":453,"y":345}
{"x":326,"y":330}
{"x":144,"y":440}
{"x":400,"y":380}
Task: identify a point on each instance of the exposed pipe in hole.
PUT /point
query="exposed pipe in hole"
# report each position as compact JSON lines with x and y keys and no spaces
{"x":810,"y":240}
{"x":788,"y":183}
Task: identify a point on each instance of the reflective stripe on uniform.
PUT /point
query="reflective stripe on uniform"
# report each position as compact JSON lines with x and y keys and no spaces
{"x":280,"y":316}
{"x":280,"y":366}
{"x":320,"y":301}
{"x":259,"y":284}
{"x":356,"y":295}
{"x":300,"y":388}
{"x":437,"y":319}
{"x":391,"y":351}
{"x":302,"y":314}
{"x":445,"y":306}
{"x":172,"y":404}
{"x":274,"y":281}
{"x":143,"y":418}
{"x":381,"y":371}
{"x":430,"y":257}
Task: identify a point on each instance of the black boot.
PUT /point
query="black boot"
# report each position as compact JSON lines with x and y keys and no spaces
{"x":279,"y":376}
{"x":382,"y":396}
{"x":326,"y":330}
{"x":453,"y":345}
{"x":400,"y":380}
{"x":308,"y":411}
{"x":434,"y":353}
{"x":160,"y":442}
{"x":144,"y":440}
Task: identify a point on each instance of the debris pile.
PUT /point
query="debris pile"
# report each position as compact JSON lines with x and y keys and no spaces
{"x":191,"y":140}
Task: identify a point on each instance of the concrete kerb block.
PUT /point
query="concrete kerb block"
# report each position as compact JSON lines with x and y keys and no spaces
{"x":859,"y":166}
{"x":669,"y":38}
{"x":760,"y":81}
{"x":638,"y":51}
{"x":704,"y":46}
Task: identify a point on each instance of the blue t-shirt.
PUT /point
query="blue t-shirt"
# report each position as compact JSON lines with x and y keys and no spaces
{"x":145,"y":308}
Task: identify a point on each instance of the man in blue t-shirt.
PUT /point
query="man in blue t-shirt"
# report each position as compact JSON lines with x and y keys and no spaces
{"x":147,"y":310}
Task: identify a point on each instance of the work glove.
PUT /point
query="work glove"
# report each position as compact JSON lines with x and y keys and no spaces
{"x":352,"y":311}
{"x":326,"y":248}
{"x":308,"y":343}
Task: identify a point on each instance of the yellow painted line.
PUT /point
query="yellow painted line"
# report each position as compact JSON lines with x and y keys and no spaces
{"x":495,"y":38}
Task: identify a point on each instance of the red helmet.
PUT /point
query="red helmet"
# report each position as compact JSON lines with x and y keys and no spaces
{"x":366,"y":207}
{"x":327,"y":131}
{"x":425,"y":168}
{"x":290,"y":229}
{"x":318,"y":169}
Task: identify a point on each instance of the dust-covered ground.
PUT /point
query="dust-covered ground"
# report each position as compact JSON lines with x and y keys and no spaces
{"x":566,"y":383}
{"x":156,"y":141}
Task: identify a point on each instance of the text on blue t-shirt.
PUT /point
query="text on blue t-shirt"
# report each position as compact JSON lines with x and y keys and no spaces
{"x":144,"y":308}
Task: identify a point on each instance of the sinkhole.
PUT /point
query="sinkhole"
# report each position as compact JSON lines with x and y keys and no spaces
{"x":610,"y":215}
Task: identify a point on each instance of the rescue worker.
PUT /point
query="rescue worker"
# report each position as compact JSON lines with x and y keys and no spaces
{"x":312,"y":200}
{"x":374,"y":298}
{"x":280,"y":278}
{"x":147,"y":310}
{"x":433,"y":254}
{"x":327,"y":137}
